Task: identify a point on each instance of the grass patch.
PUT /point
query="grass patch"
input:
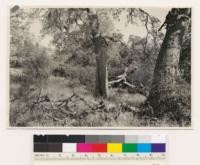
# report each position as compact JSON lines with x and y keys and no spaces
{"x":121,"y":109}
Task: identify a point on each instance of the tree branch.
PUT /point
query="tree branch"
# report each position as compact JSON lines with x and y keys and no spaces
{"x":147,"y":29}
{"x":122,"y":79}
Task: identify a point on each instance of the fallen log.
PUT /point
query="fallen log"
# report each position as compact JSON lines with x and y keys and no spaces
{"x":130,"y":85}
{"x":121,"y":81}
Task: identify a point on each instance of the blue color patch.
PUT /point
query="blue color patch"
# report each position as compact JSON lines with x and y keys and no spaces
{"x":143,"y":147}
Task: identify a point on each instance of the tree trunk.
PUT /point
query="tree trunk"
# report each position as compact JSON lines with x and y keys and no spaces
{"x":101,"y":75}
{"x":167,"y":64}
{"x":101,"y":87}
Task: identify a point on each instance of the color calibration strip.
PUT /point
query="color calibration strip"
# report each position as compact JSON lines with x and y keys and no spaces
{"x":99,"y":144}
{"x":109,"y":147}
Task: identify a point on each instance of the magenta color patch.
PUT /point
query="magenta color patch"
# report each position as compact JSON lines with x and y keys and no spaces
{"x":83,"y":147}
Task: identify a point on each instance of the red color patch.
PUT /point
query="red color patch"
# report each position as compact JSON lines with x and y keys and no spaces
{"x":99,"y":147}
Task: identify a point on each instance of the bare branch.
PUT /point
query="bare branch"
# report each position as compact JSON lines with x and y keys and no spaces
{"x":147,"y":29}
{"x":113,"y":39}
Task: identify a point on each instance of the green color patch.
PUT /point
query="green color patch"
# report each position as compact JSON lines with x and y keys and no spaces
{"x":129,"y":147}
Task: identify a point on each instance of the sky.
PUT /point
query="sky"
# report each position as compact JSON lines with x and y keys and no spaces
{"x":140,"y":30}
{"x":126,"y":30}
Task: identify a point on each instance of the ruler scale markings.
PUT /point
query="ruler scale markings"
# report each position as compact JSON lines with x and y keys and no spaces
{"x":106,"y":147}
{"x":96,"y":156}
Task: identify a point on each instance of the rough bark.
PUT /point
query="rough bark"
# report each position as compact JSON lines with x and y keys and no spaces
{"x":167,"y":64}
{"x":101,"y":75}
{"x":101,"y":87}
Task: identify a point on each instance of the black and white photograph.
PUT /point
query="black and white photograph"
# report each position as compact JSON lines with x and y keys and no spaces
{"x":100,"y":67}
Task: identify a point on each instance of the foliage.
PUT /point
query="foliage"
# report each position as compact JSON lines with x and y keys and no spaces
{"x":34,"y":66}
{"x":29,"y":63}
{"x":19,"y":29}
{"x":36,"y":75}
{"x":71,"y":27}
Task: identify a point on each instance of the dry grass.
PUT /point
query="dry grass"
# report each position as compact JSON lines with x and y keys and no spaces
{"x":122,"y":109}
{"x":122,"y":96}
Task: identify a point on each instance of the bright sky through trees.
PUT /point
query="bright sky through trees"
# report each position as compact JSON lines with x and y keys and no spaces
{"x":122,"y":27}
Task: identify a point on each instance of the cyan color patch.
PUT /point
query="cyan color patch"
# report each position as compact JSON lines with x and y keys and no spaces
{"x":143,"y":147}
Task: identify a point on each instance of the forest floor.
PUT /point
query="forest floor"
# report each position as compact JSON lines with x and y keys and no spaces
{"x":63,"y":103}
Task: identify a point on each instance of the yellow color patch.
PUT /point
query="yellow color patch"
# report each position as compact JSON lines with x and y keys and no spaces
{"x":114,"y":147}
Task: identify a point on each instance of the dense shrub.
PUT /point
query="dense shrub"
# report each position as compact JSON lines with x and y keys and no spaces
{"x":85,"y":75}
{"x":35,"y":67}
{"x":27,"y":79}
